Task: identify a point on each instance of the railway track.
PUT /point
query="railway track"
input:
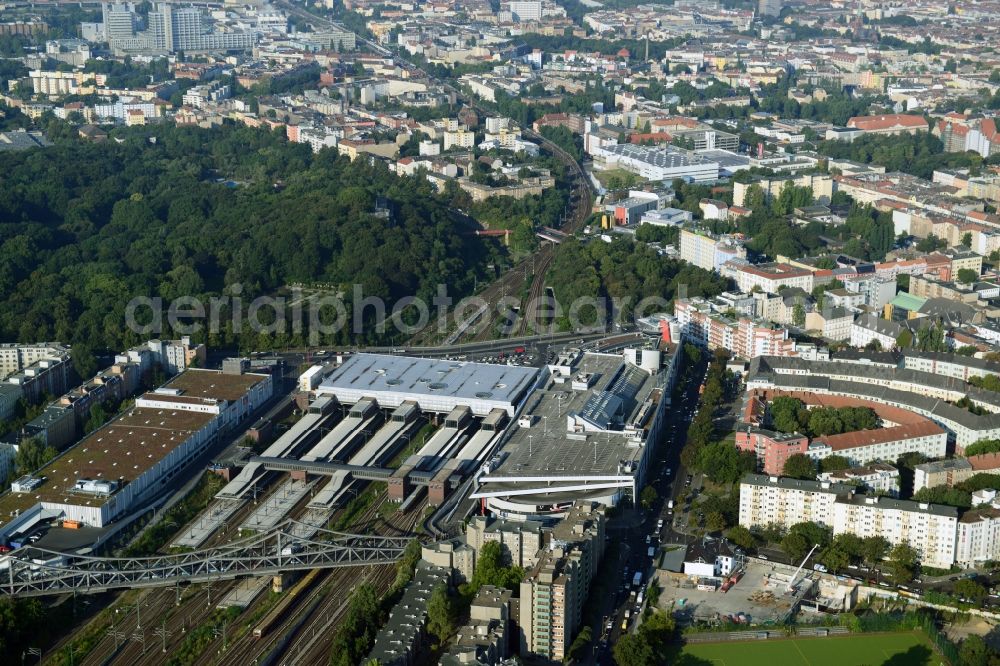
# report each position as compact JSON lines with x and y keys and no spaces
{"x":314,"y":645}
{"x":175,"y":610}
{"x":161,"y":604}
{"x":326,"y":602}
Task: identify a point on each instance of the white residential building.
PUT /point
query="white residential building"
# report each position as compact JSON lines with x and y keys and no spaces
{"x":769,"y":278}
{"x":870,"y":327}
{"x":929,"y":528}
{"x":459,"y":139}
{"x":523,"y":11}
{"x":876,"y":289}
{"x":880,"y":478}
{"x":978,"y":538}
{"x":782,"y":501}
{"x":709,"y":252}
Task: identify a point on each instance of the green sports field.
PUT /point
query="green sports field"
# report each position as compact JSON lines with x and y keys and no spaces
{"x":903,"y":649}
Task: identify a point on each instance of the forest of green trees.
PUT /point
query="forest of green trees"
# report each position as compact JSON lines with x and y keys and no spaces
{"x":627,"y":271}
{"x":917,"y":154}
{"x":176,"y":211}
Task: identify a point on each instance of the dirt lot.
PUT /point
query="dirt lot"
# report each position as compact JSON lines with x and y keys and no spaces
{"x":759,"y":594}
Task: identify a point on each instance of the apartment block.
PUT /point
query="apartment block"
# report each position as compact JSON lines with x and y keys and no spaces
{"x":876,"y":290}
{"x":772,"y":277}
{"x":455,"y":554}
{"x":55,"y":84}
{"x":929,"y":528}
{"x":401,"y":640}
{"x":710,"y":252}
{"x":555,"y":589}
{"x":177,"y":355}
{"x":950,"y":365}
{"x":10,"y":394}
{"x":878,"y":478}
{"x":459,"y":139}
{"x":771,"y":448}
{"x":867,"y":446}
{"x":35,"y":370}
{"x":978,"y":537}
{"x":745,"y":337}
{"x":521,"y":540}
{"x":484,"y":639}
{"x":771,"y":186}
{"x":777,"y":500}
{"x":895,"y":123}
{"x":954,"y":471}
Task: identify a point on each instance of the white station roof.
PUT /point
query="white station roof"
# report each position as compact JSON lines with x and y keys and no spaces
{"x":436,"y":385}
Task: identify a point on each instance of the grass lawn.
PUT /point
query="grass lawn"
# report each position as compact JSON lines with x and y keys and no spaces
{"x":900,"y":649}
{"x":606,"y":176}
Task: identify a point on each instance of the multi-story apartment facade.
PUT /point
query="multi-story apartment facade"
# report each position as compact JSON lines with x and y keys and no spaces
{"x":928,"y":528}
{"x":954,"y":470}
{"x":771,"y":448}
{"x":556,"y":587}
{"x":709,"y":252}
{"x":929,"y":395}
{"x":521,"y":540}
{"x":459,"y":139}
{"x":775,"y":500}
{"x":548,"y":600}
{"x":34,"y":370}
{"x":745,"y":337}
{"x":978,"y":538}
{"x":770,"y":278}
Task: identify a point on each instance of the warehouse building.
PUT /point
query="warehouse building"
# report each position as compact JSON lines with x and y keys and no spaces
{"x":130,"y":461}
{"x":656,"y":163}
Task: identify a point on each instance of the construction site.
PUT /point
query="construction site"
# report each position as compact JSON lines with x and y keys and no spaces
{"x":761,"y":594}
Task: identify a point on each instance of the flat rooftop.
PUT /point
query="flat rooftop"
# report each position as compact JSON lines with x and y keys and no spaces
{"x":436,"y":385}
{"x":660,"y":157}
{"x":549,"y":449}
{"x":122,"y":450}
{"x":214,"y":385}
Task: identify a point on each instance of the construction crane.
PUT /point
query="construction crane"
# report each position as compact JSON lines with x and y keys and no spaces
{"x":791,"y":581}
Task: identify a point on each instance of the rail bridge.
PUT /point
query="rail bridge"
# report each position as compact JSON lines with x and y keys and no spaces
{"x":33,"y":571}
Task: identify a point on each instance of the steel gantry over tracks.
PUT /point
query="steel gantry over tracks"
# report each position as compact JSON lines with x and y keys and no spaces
{"x":38,"y":572}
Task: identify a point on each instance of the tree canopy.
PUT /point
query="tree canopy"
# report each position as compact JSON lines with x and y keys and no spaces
{"x":86,"y":227}
{"x":790,"y":414}
{"x":917,"y":154}
{"x":624,"y":270}
{"x":799,"y":466}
